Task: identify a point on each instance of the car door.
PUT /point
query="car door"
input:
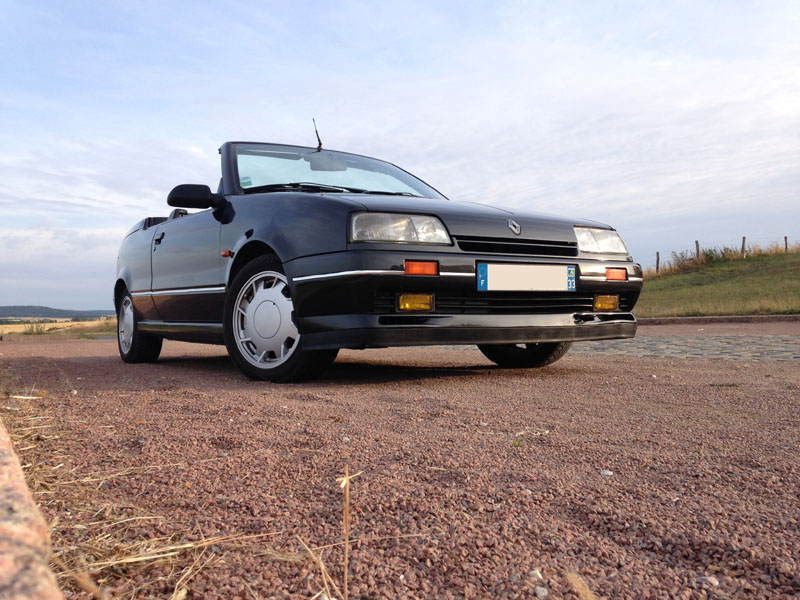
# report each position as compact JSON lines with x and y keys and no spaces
{"x":188,"y":280}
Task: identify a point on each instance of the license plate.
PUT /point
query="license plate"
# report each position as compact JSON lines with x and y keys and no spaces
{"x":494,"y":277}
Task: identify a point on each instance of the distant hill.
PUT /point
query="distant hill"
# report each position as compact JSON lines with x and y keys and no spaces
{"x":45,"y":312}
{"x":759,"y":285}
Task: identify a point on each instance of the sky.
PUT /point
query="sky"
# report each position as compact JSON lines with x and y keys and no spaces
{"x":670,"y":121}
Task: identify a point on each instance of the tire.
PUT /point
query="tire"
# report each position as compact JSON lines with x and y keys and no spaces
{"x":134,"y":346}
{"x":522,"y":356}
{"x":260,"y":333}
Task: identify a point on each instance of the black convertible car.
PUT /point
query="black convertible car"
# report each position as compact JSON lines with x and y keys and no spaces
{"x":302,"y":251}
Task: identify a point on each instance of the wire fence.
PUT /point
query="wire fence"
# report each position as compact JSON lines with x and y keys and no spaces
{"x":686,"y":260}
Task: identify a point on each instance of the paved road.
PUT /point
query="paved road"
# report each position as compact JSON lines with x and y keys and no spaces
{"x":780,"y":342}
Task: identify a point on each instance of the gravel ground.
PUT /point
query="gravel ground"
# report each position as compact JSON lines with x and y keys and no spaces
{"x":771,"y":341}
{"x":645,"y":477}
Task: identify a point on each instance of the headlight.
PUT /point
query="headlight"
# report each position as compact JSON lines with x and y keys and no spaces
{"x":390,"y":227}
{"x":603,"y":241}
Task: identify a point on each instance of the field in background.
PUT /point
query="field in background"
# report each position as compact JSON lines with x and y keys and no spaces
{"x":685,"y":261}
{"x":766,"y":282}
{"x":67,"y":327}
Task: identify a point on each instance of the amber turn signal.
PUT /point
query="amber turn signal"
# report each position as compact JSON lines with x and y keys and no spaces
{"x":606,"y":302}
{"x":422,"y":267}
{"x":613,"y":274}
{"x":407,"y":302}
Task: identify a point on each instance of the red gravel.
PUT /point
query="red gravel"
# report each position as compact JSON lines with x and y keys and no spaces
{"x":496,"y":474}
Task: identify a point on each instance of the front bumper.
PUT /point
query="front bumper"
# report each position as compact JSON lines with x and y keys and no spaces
{"x":346,"y":300}
{"x":371,"y":331}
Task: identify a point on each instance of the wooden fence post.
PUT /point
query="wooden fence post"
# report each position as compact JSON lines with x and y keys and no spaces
{"x":697,"y":252}
{"x":786,"y":244}
{"x":658,"y":260}
{"x":743,"y":240}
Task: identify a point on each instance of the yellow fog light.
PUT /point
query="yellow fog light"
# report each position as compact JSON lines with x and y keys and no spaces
{"x":415,"y":302}
{"x":606,"y":302}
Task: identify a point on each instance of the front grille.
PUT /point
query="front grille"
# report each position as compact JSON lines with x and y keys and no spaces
{"x":486,"y":245}
{"x":384,"y":302}
{"x":506,"y":303}
{"x":513,"y":303}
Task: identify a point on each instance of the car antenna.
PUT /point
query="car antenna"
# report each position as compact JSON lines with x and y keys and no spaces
{"x":319,"y":146}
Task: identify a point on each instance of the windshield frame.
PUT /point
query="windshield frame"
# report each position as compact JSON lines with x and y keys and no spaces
{"x":234,"y":147}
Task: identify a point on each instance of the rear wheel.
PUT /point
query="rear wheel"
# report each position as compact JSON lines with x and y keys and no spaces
{"x":260,"y":333}
{"x":521,"y":356}
{"x":134,"y":346}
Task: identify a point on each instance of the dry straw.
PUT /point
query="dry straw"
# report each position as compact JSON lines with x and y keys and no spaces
{"x":579,"y":586}
{"x":344,"y":482}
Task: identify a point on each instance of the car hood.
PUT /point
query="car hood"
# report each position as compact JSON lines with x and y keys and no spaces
{"x":479,"y":220}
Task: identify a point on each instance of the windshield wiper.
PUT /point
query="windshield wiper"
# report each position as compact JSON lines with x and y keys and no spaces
{"x":299,"y":185}
{"x":319,"y":187}
{"x":384,"y":193}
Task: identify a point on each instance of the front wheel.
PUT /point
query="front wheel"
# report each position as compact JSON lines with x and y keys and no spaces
{"x":260,"y":333}
{"x":521,"y":356}
{"x":134,"y":346}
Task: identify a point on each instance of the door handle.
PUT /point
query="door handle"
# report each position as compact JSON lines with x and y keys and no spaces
{"x":158,"y":238}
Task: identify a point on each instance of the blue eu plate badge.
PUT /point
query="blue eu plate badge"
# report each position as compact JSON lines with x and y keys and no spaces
{"x":483,"y":277}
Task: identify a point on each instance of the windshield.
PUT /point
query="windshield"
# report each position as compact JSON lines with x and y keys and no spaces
{"x":270,"y":167}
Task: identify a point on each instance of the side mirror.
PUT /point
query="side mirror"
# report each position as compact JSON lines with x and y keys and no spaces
{"x":191,"y":195}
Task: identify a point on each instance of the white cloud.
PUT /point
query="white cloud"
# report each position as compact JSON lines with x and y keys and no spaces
{"x":671,"y":122}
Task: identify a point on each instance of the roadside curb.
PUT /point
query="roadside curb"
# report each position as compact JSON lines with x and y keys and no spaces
{"x":24,"y":539}
{"x":717,"y":319}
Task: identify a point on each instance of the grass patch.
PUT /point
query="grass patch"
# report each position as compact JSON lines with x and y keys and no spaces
{"x":91,"y":329}
{"x":686,"y":262}
{"x":34,"y":329}
{"x":764,"y":284}
{"x":85,"y":329}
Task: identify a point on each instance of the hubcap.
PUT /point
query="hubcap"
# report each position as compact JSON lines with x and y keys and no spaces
{"x":262,"y":320}
{"x":125,"y":324}
{"x":267,"y":319}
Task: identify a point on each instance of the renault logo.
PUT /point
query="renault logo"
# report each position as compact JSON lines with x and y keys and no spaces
{"x":514,"y":226}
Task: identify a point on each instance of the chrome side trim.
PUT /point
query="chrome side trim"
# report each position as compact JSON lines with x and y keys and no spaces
{"x":374,"y":272}
{"x":635,"y":278}
{"x":171,"y":327}
{"x":347,"y":273}
{"x":182,"y":291}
